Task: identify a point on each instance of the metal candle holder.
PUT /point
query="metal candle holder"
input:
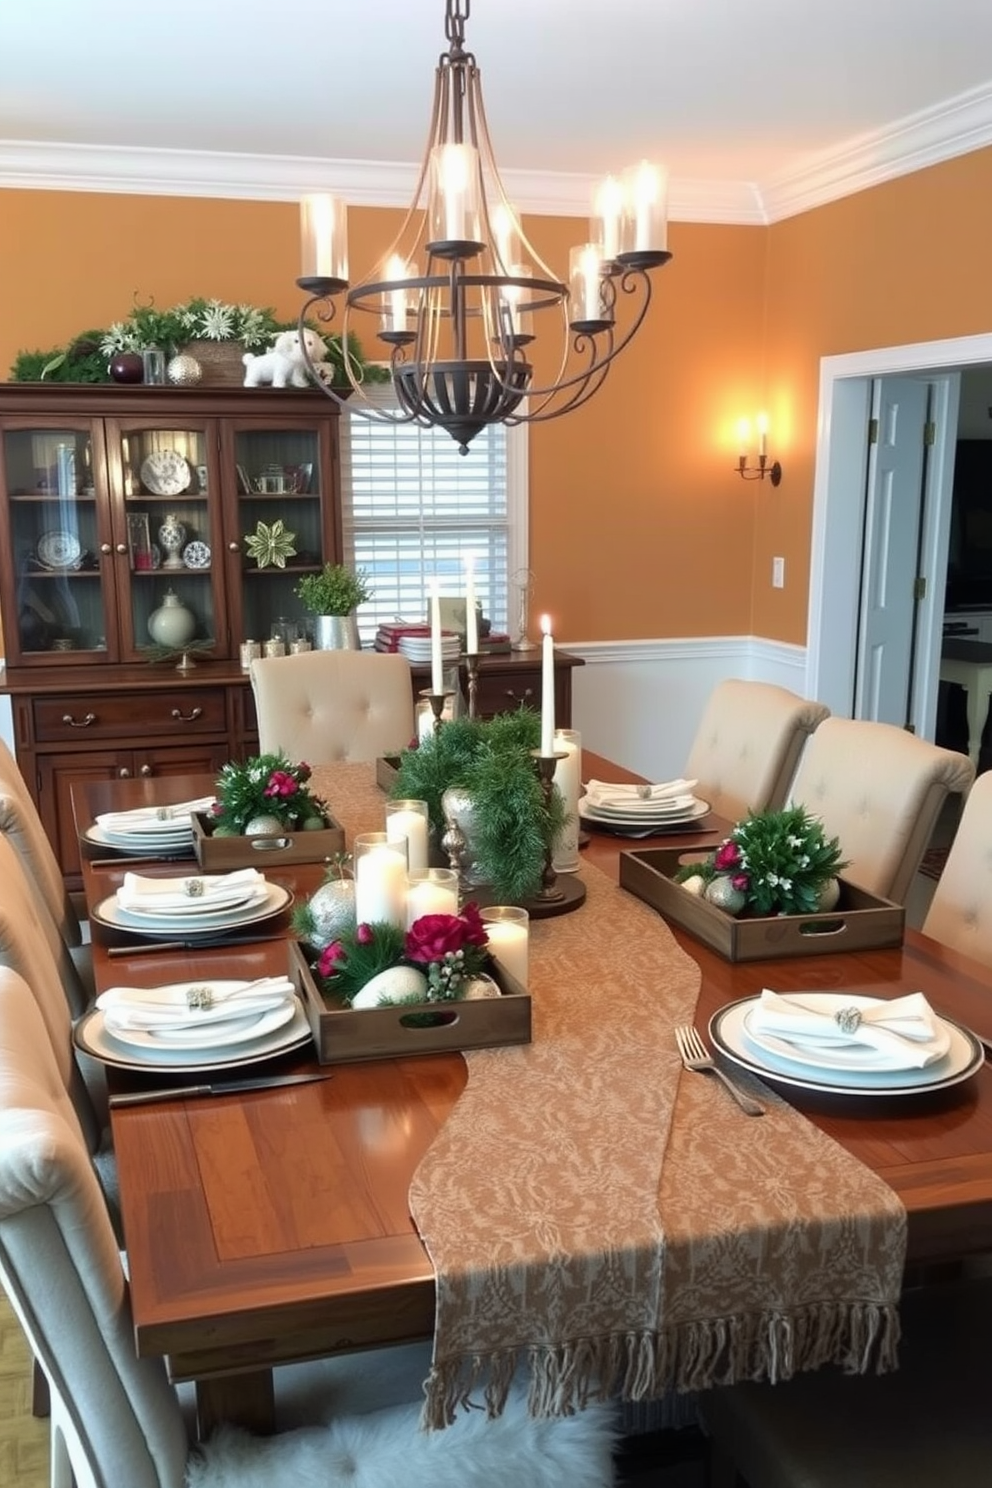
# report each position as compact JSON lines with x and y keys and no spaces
{"x":437,"y":701}
{"x":471,"y":660}
{"x":550,"y":891}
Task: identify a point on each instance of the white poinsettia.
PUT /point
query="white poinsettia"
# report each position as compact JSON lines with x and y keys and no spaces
{"x":216,"y":321}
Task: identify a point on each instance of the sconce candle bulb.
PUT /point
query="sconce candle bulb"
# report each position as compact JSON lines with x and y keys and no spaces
{"x":764,"y":467}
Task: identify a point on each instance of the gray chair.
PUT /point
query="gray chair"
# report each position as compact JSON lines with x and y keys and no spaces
{"x":926,"y":1425}
{"x":879,"y":790}
{"x":748,"y":744}
{"x":324,"y":706}
{"x":960,"y":912}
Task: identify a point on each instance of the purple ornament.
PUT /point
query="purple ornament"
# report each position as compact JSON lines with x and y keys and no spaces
{"x":127,"y":366}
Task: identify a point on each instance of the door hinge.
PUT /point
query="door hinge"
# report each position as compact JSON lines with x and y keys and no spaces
{"x":873,"y":431}
{"x":929,"y":433}
{"x":920,"y":588}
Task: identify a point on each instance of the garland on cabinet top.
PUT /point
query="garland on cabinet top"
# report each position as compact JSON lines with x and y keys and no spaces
{"x":86,"y":357}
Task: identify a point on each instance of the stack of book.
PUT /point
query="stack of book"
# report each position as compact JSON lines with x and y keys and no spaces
{"x":414,"y":641}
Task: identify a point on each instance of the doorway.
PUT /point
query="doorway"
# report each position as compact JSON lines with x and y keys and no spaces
{"x":838,"y":510}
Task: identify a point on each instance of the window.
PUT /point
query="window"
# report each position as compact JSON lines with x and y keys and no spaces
{"x":413,"y":508}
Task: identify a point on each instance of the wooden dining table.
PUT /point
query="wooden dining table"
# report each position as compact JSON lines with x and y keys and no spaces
{"x":273,"y":1226}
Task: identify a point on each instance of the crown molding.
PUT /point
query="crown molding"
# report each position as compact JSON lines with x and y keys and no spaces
{"x":954,"y":127}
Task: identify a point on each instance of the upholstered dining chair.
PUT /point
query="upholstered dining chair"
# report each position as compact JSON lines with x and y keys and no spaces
{"x":927,"y":1424}
{"x":960,"y":912}
{"x":748,"y":745}
{"x":879,"y":790}
{"x":116,"y":1420}
{"x":323,"y":706}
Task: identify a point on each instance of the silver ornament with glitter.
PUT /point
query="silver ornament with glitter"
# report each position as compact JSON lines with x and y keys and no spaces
{"x":184,"y":370}
{"x":721,"y":892}
{"x":333,"y":911}
{"x":264,"y":826}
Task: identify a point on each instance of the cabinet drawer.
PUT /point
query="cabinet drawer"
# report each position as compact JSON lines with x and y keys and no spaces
{"x":130,"y":715}
{"x":506,"y":691}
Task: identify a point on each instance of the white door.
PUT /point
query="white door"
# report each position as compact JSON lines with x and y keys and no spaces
{"x":891,"y":552}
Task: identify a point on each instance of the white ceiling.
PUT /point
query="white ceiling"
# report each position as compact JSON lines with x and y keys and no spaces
{"x":758,"y":107}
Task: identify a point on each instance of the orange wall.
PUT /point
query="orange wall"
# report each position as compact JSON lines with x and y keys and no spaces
{"x":627,"y":495}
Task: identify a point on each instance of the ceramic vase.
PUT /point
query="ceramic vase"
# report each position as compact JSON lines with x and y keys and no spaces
{"x":172,"y":536}
{"x":172,"y":624}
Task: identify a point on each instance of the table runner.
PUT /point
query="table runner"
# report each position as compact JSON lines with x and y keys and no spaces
{"x":617,"y":1225}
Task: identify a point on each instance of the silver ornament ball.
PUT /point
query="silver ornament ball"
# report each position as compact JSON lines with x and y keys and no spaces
{"x":721,"y":892}
{"x":184,"y":370}
{"x":264,"y":826}
{"x":333,"y":910}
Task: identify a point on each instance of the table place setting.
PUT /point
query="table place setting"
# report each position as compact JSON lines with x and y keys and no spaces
{"x":166,"y":829}
{"x":192,"y":905}
{"x":846,"y":1043}
{"x":640,"y":810}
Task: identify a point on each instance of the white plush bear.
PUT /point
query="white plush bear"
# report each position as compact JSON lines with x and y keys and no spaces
{"x":284,"y":364}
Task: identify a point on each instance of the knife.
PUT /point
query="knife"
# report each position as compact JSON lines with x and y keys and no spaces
{"x":220,"y":1087}
{"x":149,"y":947}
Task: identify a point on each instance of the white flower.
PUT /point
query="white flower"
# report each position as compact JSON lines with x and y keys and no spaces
{"x":119,"y":337}
{"x":794,"y":841}
{"x":217,"y":321}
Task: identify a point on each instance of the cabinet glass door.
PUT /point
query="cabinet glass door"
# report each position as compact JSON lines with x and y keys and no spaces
{"x":167,"y":512}
{"x":282,"y":475}
{"x":58,"y":544}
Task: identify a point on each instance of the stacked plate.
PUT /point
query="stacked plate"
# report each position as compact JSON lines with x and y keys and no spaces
{"x":191,"y":906}
{"x":194,"y":1025}
{"x":149,"y":831}
{"x":641,"y":810}
{"x":847,"y":1044}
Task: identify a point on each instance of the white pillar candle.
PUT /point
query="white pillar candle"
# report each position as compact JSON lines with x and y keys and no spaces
{"x":437,"y":668}
{"x":568,"y":779}
{"x":507,"y":929}
{"x":407,"y":821}
{"x":471,"y":619}
{"x":380,"y":880}
{"x":547,"y":688}
{"x":431,"y":893}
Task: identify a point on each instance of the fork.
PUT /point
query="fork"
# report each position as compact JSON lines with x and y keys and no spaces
{"x":696,"y":1057}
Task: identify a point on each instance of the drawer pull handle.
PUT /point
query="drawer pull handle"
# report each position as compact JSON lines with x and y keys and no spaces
{"x":146,"y":770}
{"x":189,"y":717}
{"x":519,"y":697}
{"x":124,"y":773}
{"x":79,"y":722}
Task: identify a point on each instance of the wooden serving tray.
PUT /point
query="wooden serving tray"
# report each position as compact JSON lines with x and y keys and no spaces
{"x":386,"y":769}
{"x":220,"y":854}
{"x":859,"y":922}
{"x":343,"y":1035}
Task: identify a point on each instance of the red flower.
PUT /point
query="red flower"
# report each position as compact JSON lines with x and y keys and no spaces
{"x":727,"y":856}
{"x":740,"y":881}
{"x":364,"y":934}
{"x":329,"y":958}
{"x":281,"y":784}
{"x":433,"y":937}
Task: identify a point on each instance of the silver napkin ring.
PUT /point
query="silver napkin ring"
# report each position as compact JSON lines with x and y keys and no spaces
{"x":195,"y":888}
{"x":200,"y":998}
{"x":848,"y":1019}
{"x":163,"y":813}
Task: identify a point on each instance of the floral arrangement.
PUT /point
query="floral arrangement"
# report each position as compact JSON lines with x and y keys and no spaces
{"x":268,"y":789}
{"x":449,"y":950}
{"x":773,"y":862}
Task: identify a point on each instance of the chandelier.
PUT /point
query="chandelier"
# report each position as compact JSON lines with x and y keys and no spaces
{"x":460,"y":294}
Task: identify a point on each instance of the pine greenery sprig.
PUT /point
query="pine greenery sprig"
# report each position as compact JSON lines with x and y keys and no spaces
{"x":266,"y":785}
{"x":787,"y":858}
{"x":345,"y":966}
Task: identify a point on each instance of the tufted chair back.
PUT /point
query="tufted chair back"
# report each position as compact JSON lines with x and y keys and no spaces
{"x":880,"y":790}
{"x":324,"y":706}
{"x":960,"y":912}
{"x":748,"y":744}
{"x":21,"y":822}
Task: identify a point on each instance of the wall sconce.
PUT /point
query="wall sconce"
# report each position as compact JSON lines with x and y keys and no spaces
{"x":763,"y":468}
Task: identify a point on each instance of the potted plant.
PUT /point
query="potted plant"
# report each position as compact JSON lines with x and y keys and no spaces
{"x":332,"y":595}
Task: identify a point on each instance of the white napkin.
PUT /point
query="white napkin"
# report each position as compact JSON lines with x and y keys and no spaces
{"x":191,"y":892}
{"x":150,"y":819}
{"x":904,"y":1030}
{"x":170,"y":1006}
{"x":603,"y":793}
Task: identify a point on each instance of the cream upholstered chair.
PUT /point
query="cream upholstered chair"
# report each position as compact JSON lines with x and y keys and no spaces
{"x":748,"y":744}
{"x":879,"y":790}
{"x":926,"y":1425}
{"x":115,"y":1418}
{"x":960,"y":912}
{"x":324,"y":706}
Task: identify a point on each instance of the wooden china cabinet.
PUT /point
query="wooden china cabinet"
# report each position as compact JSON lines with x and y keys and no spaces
{"x":88,"y":478}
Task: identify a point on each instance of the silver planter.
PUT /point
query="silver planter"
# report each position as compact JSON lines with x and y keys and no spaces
{"x":336,"y":633}
{"x":456,"y":804}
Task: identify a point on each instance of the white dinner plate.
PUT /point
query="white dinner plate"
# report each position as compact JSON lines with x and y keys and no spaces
{"x":220,"y":1035}
{"x":109,"y":913}
{"x":245,"y":898}
{"x":165,"y":473}
{"x":837,"y":1054}
{"x":59,"y":550}
{"x":630,"y":811}
{"x":729,"y":1035}
{"x":91,"y":1035}
{"x":179,"y":846}
{"x":640,"y":828}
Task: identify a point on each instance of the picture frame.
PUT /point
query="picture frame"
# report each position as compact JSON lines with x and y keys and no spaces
{"x":303,"y":478}
{"x":201,"y":477}
{"x":139,"y":540}
{"x":244,"y":484}
{"x":452,"y":613}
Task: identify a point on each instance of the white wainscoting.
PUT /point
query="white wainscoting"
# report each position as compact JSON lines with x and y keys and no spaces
{"x":639,"y":702}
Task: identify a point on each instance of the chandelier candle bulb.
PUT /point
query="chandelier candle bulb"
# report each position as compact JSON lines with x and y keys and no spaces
{"x":505,"y":238}
{"x":762,"y":424}
{"x":380,"y":880}
{"x":508,"y":930}
{"x":471,"y":619}
{"x":586,"y":279}
{"x":547,"y":687}
{"x":432,"y":892}
{"x":437,"y":668}
{"x":457,"y":198}
{"x":646,"y":193}
{"x":407,"y":821}
{"x":568,"y":779}
{"x":394,"y":317}
{"x":607,"y":215}
{"x":323,"y":238}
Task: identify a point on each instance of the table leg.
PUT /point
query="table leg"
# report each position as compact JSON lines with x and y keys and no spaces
{"x":246,"y":1400}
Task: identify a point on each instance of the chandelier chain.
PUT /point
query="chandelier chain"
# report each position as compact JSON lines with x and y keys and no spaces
{"x":454,"y":23}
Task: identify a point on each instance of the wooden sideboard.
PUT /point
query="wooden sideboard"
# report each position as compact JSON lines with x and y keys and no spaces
{"x":83,"y":722}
